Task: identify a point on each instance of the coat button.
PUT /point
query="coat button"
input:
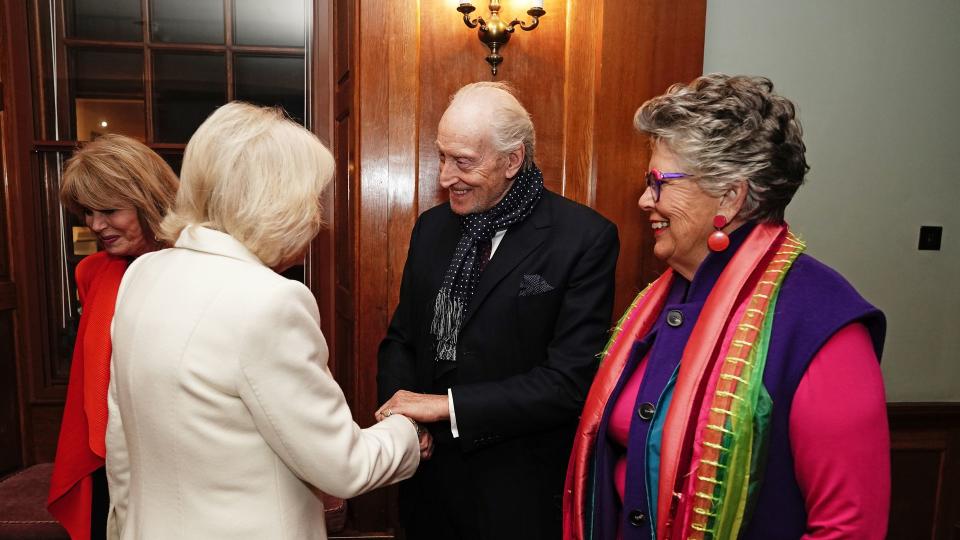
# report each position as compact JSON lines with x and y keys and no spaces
{"x":646,"y":410}
{"x":674,"y":317}
{"x":637,"y":518}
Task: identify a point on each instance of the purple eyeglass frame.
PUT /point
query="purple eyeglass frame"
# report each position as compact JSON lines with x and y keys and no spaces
{"x":656,"y":179}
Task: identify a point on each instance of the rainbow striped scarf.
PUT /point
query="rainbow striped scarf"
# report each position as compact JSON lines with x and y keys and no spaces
{"x":730,"y":444}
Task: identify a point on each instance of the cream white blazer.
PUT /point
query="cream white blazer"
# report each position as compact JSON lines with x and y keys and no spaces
{"x":223,"y":417}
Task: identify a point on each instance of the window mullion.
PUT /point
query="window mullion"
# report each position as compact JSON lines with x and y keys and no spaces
{"x":228,"y":42}
{"x":147,"y":70}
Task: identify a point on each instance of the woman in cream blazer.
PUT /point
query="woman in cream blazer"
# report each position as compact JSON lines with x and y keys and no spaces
{"x":224,"y":420}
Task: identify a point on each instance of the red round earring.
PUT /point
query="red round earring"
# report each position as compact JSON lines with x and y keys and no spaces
{"x":719,"y":240}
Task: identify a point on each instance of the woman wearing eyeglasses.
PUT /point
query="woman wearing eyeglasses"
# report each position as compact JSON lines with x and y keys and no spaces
{"x":740,"y":396}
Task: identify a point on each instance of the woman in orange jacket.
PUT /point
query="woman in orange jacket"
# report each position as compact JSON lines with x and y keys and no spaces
{"x":121,"y":189}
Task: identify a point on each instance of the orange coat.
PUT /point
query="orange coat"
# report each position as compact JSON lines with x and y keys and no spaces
{"x":81,"y":448}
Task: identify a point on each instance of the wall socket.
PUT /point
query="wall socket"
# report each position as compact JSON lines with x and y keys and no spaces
{"x":930,"y":237}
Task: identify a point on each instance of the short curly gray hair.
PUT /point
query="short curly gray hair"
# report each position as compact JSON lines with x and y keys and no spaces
{"x":730,"y":128}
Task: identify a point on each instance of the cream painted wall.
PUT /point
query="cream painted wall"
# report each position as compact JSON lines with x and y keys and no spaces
{"x":877,"y":83}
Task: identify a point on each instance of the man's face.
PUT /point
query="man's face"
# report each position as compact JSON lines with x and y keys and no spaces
{"x":474,"y":174}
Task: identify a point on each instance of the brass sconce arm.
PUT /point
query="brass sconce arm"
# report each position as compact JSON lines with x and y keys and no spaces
{"x":495,"y":33}
{"x":535,"y":13}
{"x":467,"y":8}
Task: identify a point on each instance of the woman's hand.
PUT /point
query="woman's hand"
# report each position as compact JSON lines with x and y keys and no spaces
{"x":422,"y":408}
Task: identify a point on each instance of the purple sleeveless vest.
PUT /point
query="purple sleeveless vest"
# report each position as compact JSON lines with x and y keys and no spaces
{"x":814,"y":303}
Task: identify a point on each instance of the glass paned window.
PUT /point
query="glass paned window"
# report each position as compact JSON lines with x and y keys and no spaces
{"x":271,"y":80}
{"x":113,"y":20}
{"x":107,"y":93}
{"x":278,"y":23}
{"x":98,"y":73}
{"x":187,"y":88}
{"x":65,"y":242}
{"x":187,"y":21}
{"x":98,"y":116}
{"x":174,"y":160}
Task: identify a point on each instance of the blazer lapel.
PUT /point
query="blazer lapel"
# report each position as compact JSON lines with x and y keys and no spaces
{"x":436,"y":259}
{"x":449,"y":238}
{"x":519,"y":242}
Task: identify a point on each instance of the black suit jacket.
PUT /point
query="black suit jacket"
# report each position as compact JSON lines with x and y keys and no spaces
{"x":527,"y":350}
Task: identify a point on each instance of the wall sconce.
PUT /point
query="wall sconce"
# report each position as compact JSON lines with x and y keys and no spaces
{"x":495,"y":33}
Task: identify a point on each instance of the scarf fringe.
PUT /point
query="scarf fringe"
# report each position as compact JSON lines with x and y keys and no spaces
{"x":447,"y":317}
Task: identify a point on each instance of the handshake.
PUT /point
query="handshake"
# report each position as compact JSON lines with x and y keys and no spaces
{"x":419,"y":409}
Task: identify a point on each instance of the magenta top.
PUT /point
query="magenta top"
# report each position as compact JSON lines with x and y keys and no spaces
{"x":838,"y":422}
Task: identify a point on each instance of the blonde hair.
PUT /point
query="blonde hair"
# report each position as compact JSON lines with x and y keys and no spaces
{"x":510,"y":123}
{"x":256,"y":175}
{"x":116,"y":172}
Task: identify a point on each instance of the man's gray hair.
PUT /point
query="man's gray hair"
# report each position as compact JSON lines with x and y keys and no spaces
{"x":510,"y":123}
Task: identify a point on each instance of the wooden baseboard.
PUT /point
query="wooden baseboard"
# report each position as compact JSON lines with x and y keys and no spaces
{"x":925,"y":463}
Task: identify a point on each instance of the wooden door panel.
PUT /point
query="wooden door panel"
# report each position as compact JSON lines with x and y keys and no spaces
{"x":10,"y":457}
{"x":10,"y":450}
{"x":925,"y":463}
{"x":11,"y":454}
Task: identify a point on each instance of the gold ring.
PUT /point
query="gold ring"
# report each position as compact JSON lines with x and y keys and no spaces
{"x":387,"y":413}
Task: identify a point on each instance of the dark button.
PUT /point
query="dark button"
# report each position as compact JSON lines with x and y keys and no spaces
{"x":637,"y":518}
{"x":646,"y":410}
{"x":674,"y":318}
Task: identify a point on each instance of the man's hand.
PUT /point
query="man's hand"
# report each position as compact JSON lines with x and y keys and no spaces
{"x":426,"y":445}
{"x":424,"y":408}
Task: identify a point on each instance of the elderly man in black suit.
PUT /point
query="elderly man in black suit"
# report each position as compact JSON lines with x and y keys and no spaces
{"x":504,"y":308}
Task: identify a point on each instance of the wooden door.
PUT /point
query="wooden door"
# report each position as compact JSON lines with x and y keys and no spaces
{"x":369,"y":514}
{"x":14,"y":221}
{"x":344,"y":200}
{"x":10,"y":450}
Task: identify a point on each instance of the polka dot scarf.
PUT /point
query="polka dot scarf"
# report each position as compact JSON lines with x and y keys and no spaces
{"x":463,"y":274}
